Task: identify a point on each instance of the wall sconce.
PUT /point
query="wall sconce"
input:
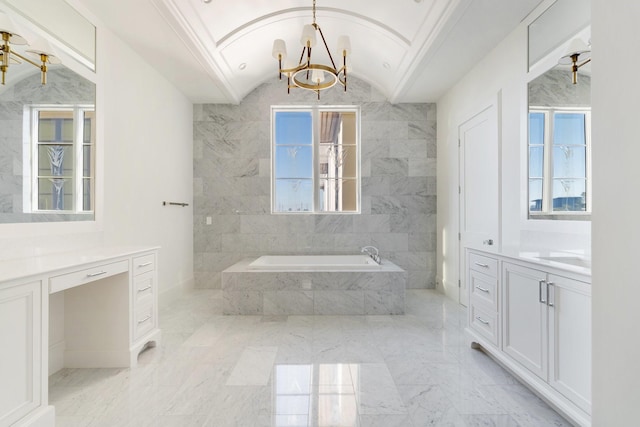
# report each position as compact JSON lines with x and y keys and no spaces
{"x":41,"y":50}
{"x":578,"y":54}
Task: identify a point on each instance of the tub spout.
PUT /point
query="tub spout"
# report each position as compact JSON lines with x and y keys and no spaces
{"x":372,"y":251}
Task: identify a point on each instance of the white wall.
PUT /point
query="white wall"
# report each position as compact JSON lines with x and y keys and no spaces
{"x":501,"y":77}
{"x":616,"y":227}
{"x":145,"y":156}
{"x":148,"y":159}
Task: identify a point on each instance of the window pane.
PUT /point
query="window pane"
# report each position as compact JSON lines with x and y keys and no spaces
{"x":536,"y":128}
{"x":535,"y":195}
{"x":86,"y":161}
{"x":338,"y":195}
{"x":55,"y":194}
{"x":293,"y":195}
{"x":569,"y":162}
{"x":294,"y":162}
{"x":55,"y":160}
{"x":536,"y":160}
{"x":340,"y":160}
{"x":55,"y":126}
{"x":86,"y":194}
{"x":569,"y":195}
{"x":569,"y":129}
{"x":293,"y":127}
{"x":87,"y":130}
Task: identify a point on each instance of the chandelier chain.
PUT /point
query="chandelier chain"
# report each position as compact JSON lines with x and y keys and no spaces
{"x":314,"y":11}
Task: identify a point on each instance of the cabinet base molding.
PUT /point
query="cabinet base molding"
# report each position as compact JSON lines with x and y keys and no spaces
{"x":42,"y":417}
{"x":542,"y":389}
{"x":150,"y":340}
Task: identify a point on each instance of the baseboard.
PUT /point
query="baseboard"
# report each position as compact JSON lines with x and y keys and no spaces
{"x":45,"y":416}
{"x":450,"y":290}
{"x":56,"y":357}
{"x":97,"y":359}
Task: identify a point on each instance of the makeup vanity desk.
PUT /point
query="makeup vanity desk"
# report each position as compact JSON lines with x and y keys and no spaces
{"x":110,"y":314}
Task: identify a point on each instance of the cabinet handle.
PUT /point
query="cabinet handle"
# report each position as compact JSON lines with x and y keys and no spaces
{"x":542,"y":283}
{"x":482,"y":289}
{"x":99,"y":273}
{"x":145,"y":264}
{"x":144,"y":320}
{"x":479,"y":264}
{"x":144,"y":289}
{"x":481,"y":320}
{"x":550,"y":285}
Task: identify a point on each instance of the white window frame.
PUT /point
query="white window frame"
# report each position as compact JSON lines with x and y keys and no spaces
{"x":547,"y":211}
{"x":315,"y":114}
{"x":31,"y":113}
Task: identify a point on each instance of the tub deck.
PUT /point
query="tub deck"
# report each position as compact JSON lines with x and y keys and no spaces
{"x":313,"y":290}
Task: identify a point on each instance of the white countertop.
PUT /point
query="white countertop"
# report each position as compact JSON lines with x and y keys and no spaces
{"x":559,"y":260}
{"x":33,"y":266}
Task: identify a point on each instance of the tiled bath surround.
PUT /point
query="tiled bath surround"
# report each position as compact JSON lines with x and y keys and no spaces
{"x":250,"y":292}
{"x":232,"y":185}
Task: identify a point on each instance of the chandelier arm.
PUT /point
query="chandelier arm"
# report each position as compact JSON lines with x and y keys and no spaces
{"x":26,"y":59}
{"x":302,"y":55}
{"x":344,"y":70}
{"x":326,"y":47}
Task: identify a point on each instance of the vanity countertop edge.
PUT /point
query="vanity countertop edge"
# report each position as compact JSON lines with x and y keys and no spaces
{"x":23,"y":268}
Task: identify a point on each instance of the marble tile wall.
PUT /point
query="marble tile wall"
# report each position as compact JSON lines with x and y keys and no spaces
{"x":232,"y":185}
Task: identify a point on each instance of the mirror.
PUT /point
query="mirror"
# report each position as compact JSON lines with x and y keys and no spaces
{"x":47,"y":135}
{"x":557,"y":25}
{"x":560,"y":145}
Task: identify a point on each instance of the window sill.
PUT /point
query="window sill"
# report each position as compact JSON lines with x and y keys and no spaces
{"x":561,"y":217}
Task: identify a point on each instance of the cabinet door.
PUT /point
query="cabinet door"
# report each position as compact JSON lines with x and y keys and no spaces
{"x":20,"y":357}
{"x":570,"y":339}
{"x":525,"y":317}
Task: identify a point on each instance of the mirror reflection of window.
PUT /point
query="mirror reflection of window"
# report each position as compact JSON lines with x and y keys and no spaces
{"x":63,"y":140}
{"x":559,"y":146}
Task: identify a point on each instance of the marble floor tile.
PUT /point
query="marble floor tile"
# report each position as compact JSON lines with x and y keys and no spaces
{"x":254,"y":366}
{"x":217,"y":370}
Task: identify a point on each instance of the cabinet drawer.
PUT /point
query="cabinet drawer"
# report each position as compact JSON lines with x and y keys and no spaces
{"x":144,"y":320}
{"x":484,"y":288}
{"x":80,"y":277}
{"x":485,"y":322}
{"x":483,"y":264}
{"x":144,"y":263}
{"x":143,"y":287}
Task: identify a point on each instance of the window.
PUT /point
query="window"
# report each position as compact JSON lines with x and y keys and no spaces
{"x":559,"y":162}
{"x":315,"y":160}
{"x":62,"y":142}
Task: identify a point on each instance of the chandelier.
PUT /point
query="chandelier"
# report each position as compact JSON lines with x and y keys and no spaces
{"x":41,"y":50}
{"x":309,"y":75}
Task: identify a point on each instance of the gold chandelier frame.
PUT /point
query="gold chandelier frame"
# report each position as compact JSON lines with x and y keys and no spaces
{"x":331,"y":75}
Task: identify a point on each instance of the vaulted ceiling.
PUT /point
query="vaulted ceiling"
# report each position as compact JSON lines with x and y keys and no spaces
{"x":219,"y":51}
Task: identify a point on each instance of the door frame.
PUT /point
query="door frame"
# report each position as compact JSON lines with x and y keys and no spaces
{"x":496,"y":104}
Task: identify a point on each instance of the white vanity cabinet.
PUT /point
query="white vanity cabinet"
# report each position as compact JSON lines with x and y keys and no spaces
{"x":544,"y":331}
{"x":483,"y":296}
{"x":110,"y":314}
{"x":21,"y":364}
{"x":525,"y":317}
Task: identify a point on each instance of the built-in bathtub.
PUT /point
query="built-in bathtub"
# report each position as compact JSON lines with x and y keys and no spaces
{"x":313,"y":284}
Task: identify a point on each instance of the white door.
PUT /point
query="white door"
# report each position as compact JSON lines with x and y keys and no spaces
{"x":479,"y":166}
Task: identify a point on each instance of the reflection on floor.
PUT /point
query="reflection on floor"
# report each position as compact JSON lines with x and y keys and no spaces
{"x":214,"y":370}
